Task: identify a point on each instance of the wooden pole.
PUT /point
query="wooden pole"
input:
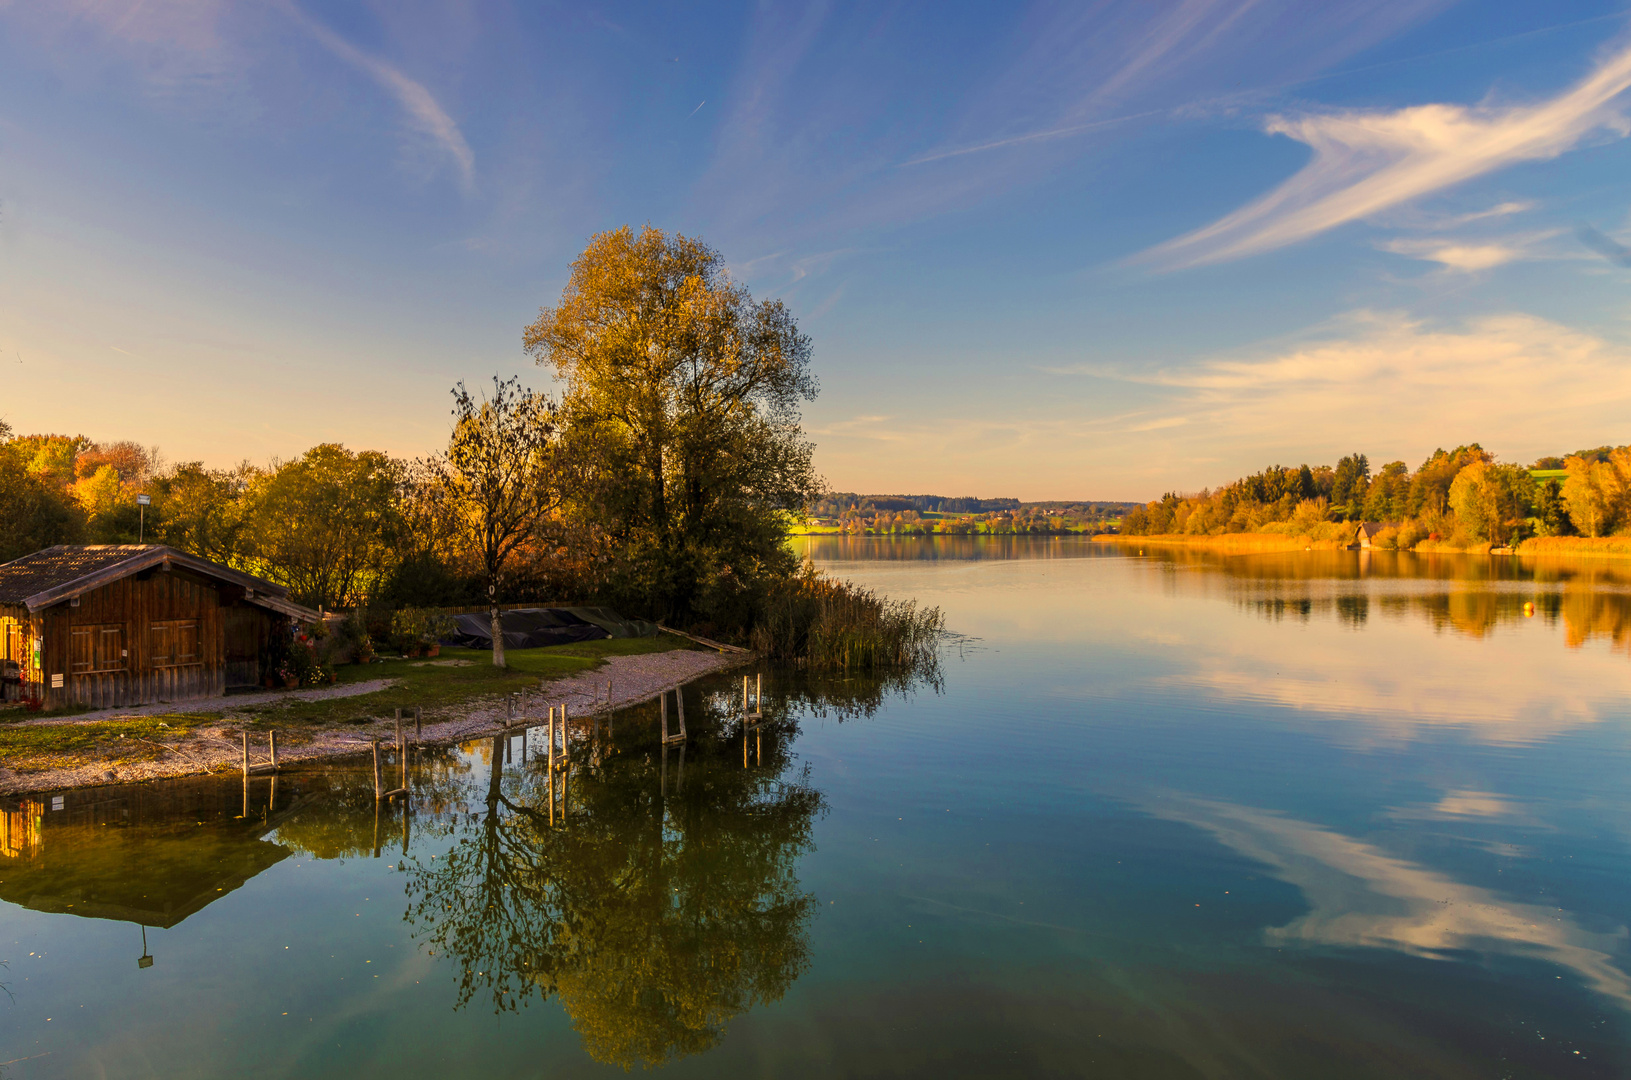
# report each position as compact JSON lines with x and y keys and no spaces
{"x":745,"y":709}
{"x":552,"y":761}
{"x":566,"y":744}
{"x":759,"y":694}
{"x":679,"y":704}
{"x":663,"y":698}
{"x":273,"y":738}
{"x":379,"y":780}
{"x":246,"y":755}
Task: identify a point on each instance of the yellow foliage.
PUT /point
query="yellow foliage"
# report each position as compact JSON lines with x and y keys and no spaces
{"x":100,"y":492}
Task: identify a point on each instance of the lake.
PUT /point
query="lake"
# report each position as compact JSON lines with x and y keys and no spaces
{"x":1157,"y":814}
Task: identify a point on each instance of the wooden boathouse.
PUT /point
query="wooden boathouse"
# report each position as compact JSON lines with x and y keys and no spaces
{"x":127,"y":624}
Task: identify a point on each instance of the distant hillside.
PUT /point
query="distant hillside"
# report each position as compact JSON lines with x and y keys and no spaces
{"x":840,"y":501}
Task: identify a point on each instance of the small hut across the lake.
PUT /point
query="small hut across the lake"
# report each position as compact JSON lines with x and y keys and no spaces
{"x":127,"y":624}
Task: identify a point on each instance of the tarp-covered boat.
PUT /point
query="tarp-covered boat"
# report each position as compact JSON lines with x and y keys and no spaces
{"x":532,"y":628}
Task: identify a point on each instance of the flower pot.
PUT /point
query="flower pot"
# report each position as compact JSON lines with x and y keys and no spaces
{"x":290,"y":682}
{"x":433,"y":650}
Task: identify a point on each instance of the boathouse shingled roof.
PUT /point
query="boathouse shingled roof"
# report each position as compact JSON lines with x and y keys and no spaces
{"x":59,"y":573}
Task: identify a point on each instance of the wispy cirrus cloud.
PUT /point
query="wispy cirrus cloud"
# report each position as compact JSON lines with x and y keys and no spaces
{"x":1365,"y":163}
{"x":424,"y":113}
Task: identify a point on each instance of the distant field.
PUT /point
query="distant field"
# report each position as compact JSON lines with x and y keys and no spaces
{"x":1543,"y":475}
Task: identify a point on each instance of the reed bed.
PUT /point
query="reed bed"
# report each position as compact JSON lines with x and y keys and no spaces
{"x":1614,"y":546}
{"x":828,"y":625}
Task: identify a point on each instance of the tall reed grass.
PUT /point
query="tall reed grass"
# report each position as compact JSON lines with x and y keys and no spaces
{"x":1618,"y":546}
{"x":829,"y":625}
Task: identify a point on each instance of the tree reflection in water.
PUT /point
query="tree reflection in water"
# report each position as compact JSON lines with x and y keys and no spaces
{"x":656,"y":908}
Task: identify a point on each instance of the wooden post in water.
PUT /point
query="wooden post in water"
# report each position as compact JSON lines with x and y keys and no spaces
{"x":246,"y":755}
{"x":679,"y":704}
{"x":566,"y":743}
{"x":759,"y":694}
{"x":745,"y":709}
{"x":379,"y":781}
{"x":552,"y":760}
{"x":273,"y":737}
{"x":663,"y":699}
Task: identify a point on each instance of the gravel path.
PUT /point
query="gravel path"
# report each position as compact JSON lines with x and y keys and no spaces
{"x":629,"y":680}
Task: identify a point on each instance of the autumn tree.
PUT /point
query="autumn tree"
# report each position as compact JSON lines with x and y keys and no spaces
{"x":201,"y":510}
{"x":500,"y":478}
{"x":1492,"y":501}
{"x":324,"y":524}
{"x":1430,"y":487}
{"x":34,"y":511}
{"x":680,"y":420}
{"x":1598,"y":489}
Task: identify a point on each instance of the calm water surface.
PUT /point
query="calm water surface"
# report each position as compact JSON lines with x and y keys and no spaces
{"x":1157,"y":816}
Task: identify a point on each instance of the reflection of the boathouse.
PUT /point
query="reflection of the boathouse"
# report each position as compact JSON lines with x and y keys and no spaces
{"x":146,"y":854}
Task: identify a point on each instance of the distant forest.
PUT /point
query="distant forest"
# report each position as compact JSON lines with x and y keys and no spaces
{"x":1460,"y":497}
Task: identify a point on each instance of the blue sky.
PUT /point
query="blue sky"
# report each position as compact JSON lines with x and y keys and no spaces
{"x":1090,"y":250}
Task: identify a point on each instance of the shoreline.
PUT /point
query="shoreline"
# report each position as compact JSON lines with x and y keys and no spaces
{"x":1227,"y":543}
{"x":217,"y":746}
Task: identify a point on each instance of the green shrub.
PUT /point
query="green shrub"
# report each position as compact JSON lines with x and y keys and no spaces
{"x":413,"y":629}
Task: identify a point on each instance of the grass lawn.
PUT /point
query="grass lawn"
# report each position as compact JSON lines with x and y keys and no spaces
{"x":456,"y":676}
{"x":114,"y":742}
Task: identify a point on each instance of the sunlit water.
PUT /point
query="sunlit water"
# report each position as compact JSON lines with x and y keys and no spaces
{"x":1158,"y":816}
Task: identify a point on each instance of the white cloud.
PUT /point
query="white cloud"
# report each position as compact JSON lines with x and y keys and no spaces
{"x":1389,"y":380}
{"x":424,"y":113}
{"x":1469,"y":257}
{"x":1367,"y":162}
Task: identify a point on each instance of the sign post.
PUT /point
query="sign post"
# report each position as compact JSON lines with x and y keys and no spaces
{"x":143,"y":502}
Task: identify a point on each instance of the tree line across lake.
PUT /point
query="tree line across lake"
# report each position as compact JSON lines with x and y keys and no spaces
{"x":1458,"y":498}
{"x":662,"y":480}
